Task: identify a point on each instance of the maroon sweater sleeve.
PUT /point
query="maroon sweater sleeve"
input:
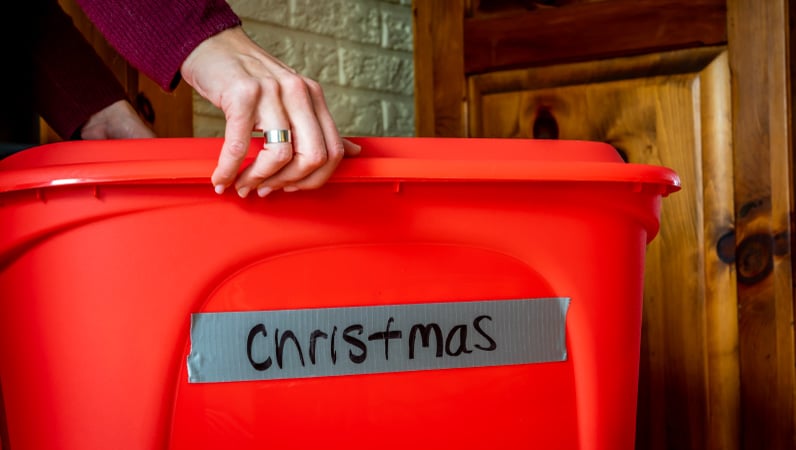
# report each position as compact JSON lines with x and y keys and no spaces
{"x":156,"y":36}
{"x":70,"y":81}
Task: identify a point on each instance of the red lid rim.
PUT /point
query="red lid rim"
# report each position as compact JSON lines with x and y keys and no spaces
{"x":383,"y":160}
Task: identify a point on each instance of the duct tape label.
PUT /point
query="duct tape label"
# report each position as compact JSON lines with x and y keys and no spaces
{"x":281,"y":344}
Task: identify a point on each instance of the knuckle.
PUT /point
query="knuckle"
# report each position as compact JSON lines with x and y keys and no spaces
{"x":246,"y":88}
{"x":259,"y":169}
{"x":314,"y":160}
{"x":281,"y":154}
{"x":294,"y":85}
{"x":237,"y":149}
{"x":313,"y":87}
{"x":335,"y":151}
{"x":270,"y":86}
{"x":259,"y":172}
{"x":222,"y":178}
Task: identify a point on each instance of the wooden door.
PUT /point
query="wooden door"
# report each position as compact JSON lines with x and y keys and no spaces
{"x":700,"y":86}
{"x":653,"y":109}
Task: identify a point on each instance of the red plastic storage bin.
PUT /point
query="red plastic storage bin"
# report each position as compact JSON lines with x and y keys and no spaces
{"x":436,"y":293}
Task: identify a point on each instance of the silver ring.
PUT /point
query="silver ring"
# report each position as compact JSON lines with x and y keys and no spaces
{"x":277,"y":136}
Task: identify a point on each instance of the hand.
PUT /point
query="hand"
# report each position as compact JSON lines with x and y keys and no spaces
{"x":116,"y":121}
{"x":258,"y":92}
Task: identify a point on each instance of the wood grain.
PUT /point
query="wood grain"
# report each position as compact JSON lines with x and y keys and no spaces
{"x":439,"y":68}
{"x":758,"y":39}
{"x":718,"y":350}
{"x":590,"y":30}
{"x":722,"y":431}
{"x":173,"y":111}
{"x":667,"y":109}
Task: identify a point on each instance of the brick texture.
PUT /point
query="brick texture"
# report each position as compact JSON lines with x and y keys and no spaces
{"x":359,"y":50}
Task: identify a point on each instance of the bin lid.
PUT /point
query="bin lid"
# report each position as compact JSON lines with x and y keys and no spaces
{"x":192,"y":160}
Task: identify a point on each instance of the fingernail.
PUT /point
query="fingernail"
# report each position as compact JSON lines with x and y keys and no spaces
{"x":243,"y":192}
{"x":219,"y":188}
{"x":263,"y":191}
{"x":290,"y":189}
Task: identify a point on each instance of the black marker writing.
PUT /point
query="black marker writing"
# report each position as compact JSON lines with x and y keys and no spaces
{"x":360,"y":358}
{"x":264,"y":365}
{"x":457,"y":341}
{"x":386,"y":335}
{"x":425,"y":336}
{"x":477,"y":326}
{"x":317,"y":334}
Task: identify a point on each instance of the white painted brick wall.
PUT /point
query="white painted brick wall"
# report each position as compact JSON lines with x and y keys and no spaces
{"x":359,"y":50}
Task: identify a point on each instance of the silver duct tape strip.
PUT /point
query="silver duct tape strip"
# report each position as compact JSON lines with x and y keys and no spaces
{"x":268,"y":345}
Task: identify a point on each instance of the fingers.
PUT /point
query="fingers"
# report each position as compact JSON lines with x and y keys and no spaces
{"x":350,"y":148}
{"x":334,"y":145}
{"x":268,"y":161}
{"x":271,"y":115}
{"x":317,"y":146}
{"x":316,"y":149}
{"x":238,"y":107}
{"x":258,"y":92}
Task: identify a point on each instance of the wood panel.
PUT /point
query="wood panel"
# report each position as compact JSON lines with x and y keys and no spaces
{"x":439,"y":68}
{"x":580,"y":30}
{"x":722,"y":417}
{"x":735,"y":386}
{"x":669,"y":109}
{"x":758,"y":39}
{"x":171,"y":112}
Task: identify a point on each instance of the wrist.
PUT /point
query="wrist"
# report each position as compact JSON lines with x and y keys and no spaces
{"x":231,"y":38}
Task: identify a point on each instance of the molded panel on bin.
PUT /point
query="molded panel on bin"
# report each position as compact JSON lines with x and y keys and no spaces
{"x":442,"y":409}
{"x":377,"y":273}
